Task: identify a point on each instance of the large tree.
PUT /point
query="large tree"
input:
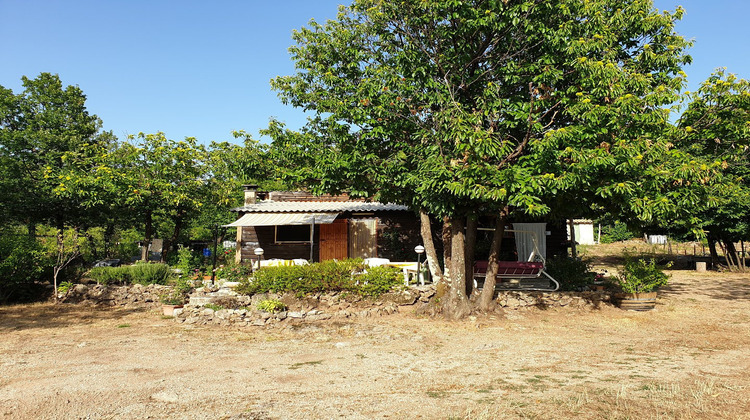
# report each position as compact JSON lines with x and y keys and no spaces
{"x":459,"y":107}
{"x":45,"y":132}
{"x":716,"y":127}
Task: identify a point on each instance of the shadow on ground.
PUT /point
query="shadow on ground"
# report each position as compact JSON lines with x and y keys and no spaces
{"x":719,"y":286}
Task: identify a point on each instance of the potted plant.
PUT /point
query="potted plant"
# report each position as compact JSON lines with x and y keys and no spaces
{"x":639,"y":281}
{"x":171,"y":301}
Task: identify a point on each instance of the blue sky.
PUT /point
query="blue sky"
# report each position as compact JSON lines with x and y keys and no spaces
{"x":202,"y":69}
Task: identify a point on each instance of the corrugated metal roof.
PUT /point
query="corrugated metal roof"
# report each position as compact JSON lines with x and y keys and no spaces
{"x":318,"y":206}
{"x":281,"y":219}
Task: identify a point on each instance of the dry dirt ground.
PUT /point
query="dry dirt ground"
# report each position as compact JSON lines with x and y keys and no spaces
{"x":689,"y":358}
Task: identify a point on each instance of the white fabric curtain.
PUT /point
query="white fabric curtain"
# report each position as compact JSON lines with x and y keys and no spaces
{"x":526,"y":234}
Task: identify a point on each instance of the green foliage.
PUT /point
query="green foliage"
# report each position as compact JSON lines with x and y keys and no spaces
{"x":454,"y":106}
{"x":641,"y":276}
{"x":141,"y":273}
{"x":616,"y":232}
{"x":326,"y":276}
{"x":64,"y":287}
{"x":572,"y":273}
{"x":378,"y":280}
{"x":187,"y":260}
{"x":234,"y":272}
{"x":715,"y":128}
{"x":148,"y":273}
{"x":214,"y":306}
{"x":271,"y":305}
{"x":111,"y":275}
{"x":183,"y":285}
{"x":48,"y":140}
{"x":23,"y":262}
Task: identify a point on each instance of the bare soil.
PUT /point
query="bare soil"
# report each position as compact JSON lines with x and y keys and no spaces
{"x":689,"y":358}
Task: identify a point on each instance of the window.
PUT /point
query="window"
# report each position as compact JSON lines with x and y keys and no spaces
{"x":293,"y":233}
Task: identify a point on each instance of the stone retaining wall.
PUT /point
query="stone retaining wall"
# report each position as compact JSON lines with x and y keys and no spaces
{"x":133,"y":296}
{"x":225,"y":307}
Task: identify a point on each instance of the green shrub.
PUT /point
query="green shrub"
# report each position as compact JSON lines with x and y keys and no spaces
{"x":271,"y":305}
{"x":572,"y":273}
{"x":641,"y":276}
{"x":616,"y":233}
{"x":378,"y":280}
{"x":187,"y":260}
{"x":110,"y":275}
{"x":234,"y":272}
{"x":23,"y":263}
{"x":148,"y":273}
{"x":62,"y":288}
{"x":326,"y":276}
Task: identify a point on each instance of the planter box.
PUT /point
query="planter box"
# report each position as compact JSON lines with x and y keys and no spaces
{"x":636,"y":301}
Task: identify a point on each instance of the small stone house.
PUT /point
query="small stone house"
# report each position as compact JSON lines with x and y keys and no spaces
{"x":297,"y":225}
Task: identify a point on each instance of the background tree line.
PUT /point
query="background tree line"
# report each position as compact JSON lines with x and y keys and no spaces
{"x":73,"y":194}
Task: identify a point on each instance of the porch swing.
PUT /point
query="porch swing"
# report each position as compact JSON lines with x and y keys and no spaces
{"x":528,"y":275}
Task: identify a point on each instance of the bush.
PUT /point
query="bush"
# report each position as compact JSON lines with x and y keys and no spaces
{"x":23,"y":263}
{"x":572,"y":273}
{"x":378,"y":280}
{"x":147,"y":273}
{"x":326,"y":276}
{"x":187,"y":260}
{"x":271,"y":305}
{"x":141,"y":273}
{"x":234,"y":272}
{"x":110,"y":275}
{"x":616,"y":233}
{"x":641,"y":276}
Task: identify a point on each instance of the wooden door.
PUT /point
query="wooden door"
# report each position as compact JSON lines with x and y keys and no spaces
{"x":363,"y":242}
{"x":333,"y":240}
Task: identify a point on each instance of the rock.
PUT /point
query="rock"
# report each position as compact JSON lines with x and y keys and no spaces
{"x":176,"y":312}
{"x":208,"y":312}
{"x":341,"y":345}
{"x":258,"y":322}
{"x":80,"y":289}
{"x":405,"y":297}
{"x":296,"y":314}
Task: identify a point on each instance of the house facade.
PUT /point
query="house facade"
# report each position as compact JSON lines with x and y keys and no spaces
{"x":298,"y":225}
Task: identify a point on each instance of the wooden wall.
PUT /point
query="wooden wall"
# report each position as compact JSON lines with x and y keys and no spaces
{"x":263,"y":236}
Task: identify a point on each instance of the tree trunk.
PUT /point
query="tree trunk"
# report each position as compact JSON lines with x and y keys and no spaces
{"x":488,"y":291}
{"x":457,"y":304}
{"x":429,"y":246}
{"x":92,"y":243}
{"x":147,"y":237}
{"x":471,"y":242}
{"x":446,"y":249}
{"x":573,"y":251}
{"x":712,"y":250}
{"x":32,"y":231}
{"x":169,"y":244}
{"x":734,"y":256}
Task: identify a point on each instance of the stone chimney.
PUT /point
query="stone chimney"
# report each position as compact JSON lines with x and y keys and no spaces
{"x":250,"y":194}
